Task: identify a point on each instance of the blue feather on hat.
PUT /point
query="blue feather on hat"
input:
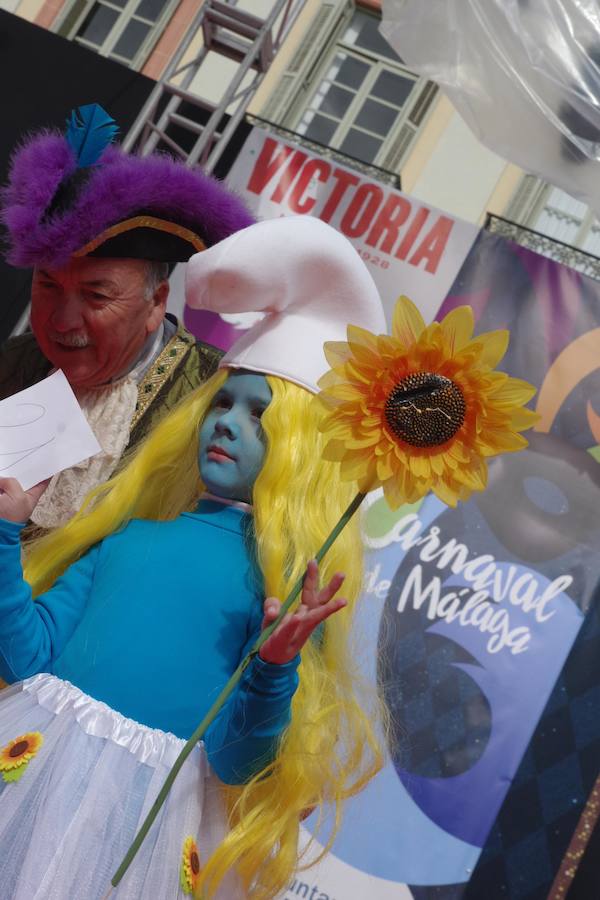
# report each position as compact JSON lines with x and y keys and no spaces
{"x":89,"y":132}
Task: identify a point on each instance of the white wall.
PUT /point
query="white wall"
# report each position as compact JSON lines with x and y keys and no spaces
{"x":460,"y":174}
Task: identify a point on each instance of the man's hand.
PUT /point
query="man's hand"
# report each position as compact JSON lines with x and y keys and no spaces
{"x":16,"y":505}
{"x":295,"y":628}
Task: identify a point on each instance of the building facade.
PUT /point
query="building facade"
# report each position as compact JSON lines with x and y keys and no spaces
{"x":335,"y":81}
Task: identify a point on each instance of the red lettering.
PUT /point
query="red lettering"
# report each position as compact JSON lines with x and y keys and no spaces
{"x":286,"y":180}
{"x":433,"y":245}
{"x":344,"y":180}
{"x":267,"y":165}
{"x":312,"y":167}
{"x":361,"y":211}
{"x":393,"y":214}
{"x":411,"y":235}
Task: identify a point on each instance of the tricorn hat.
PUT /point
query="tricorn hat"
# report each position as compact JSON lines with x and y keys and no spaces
{"x":75,"y":195}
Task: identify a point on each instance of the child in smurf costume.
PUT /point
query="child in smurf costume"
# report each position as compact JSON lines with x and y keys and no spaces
{"x":148,"y":599}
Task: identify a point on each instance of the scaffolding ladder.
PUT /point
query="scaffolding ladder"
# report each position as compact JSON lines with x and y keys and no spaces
{"x":230,"y":32}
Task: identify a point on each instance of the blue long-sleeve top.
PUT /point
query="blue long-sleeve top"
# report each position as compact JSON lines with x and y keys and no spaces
{"x":152,"y":621}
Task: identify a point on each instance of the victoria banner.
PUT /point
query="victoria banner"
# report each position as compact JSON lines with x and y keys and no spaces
{"x":409,"y":247}
{"x":482,"y":632}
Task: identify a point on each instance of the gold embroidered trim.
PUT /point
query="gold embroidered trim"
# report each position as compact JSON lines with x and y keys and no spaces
{"x":142,"y":222}
{"x":159,"y":372}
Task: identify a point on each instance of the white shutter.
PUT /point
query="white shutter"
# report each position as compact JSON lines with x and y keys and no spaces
{"x":527,"y":200}
{"x":398,"y":149}
{"x":422,"y":104}
{"x":316,"y":39}
{"x":399,"y":146}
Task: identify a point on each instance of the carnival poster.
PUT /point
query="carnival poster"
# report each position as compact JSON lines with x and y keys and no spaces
{"x":483,"y":631}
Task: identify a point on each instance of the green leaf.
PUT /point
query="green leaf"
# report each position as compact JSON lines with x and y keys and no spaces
{"x":595,"y":452}
{"x":379,"y":519}
{"x":15,"y":774}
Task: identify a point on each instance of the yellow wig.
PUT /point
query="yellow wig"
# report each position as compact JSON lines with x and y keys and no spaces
{"x":330,"y":749}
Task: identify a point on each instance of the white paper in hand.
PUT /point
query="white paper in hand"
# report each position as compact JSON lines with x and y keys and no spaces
{"x":43,"y":431}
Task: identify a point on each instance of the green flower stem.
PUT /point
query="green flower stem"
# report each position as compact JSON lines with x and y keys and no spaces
{"x":225,"y":693}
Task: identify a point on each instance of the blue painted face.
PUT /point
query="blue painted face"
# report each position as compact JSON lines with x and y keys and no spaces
{"x":232,"y":444}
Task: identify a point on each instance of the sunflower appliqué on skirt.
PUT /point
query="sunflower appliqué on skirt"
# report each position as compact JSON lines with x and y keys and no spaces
{"x":16,"y":755}
{"x":190,"y":866}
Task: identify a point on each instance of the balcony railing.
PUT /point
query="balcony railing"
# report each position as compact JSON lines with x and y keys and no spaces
{"x":374,"y":172}
{"x":563,"y":253}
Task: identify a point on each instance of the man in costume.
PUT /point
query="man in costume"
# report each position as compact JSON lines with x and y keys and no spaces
{"x":100,"y":237}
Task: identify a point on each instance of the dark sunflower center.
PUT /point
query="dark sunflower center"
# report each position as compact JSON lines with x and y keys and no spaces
{"x":425,"y":409}
{"x":194,"y":862}
{"x":18,"y":749}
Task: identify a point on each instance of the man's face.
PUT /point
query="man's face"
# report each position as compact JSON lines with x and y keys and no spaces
{"x":92,"y":317}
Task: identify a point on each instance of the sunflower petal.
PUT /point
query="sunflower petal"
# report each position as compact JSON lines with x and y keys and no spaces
{"x":358,"y":373}
{"x":407,"y":323}
{"x":328,"y":379}
{"x":419,"y":466}
{"x":371,"y":421}
{"x":397,"y":490}
{"x":334,"y":427}
{"x":495,"y":345}
{"x":473,"y":476}
{"x":437,"y":463}
{"x":337,"y":353}
{"x":358,"y":335}
{"x":354,"y":443}
{"x":458,"y":452}
{"x":367,"y":480}
{"x":334,"y":451}
{"x":520,"y":419}
{"x":385,"y":466}
{"x":344,"y":390}
{"x":388,"y":349}
{"x":495,"y":441}
{"x":354,"y":467}
{"x":514,"y":392}
{"x":457,"y":328}
{"x":446,"y":493}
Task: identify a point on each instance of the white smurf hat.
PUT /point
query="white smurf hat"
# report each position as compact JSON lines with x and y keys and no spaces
{"x":306,"y":277}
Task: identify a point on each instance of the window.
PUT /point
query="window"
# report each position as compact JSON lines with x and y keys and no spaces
{"x":547,"y":220}
{"x":124,"y":30}
{"x":363,"y":97}
{"x":568,"y":220}
{"x":554,"y":213}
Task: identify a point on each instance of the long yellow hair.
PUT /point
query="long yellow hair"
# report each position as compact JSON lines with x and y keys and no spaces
{"x":330,"y":749}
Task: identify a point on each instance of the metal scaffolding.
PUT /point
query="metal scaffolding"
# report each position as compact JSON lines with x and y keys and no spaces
{"x":230,"y":32}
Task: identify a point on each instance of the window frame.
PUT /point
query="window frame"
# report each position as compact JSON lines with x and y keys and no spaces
{"x":529,"y":203}
{"x":583,"y":224}
{"x":308,"y":86}
{"x":70,"y":21}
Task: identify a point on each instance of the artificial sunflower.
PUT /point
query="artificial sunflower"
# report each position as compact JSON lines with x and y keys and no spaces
{"x":15,"y":756}
{"x":190,"y":866}
{"x":422,"y":409}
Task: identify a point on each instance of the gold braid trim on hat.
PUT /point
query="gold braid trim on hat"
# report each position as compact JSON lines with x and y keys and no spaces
{"x":142,"y":222}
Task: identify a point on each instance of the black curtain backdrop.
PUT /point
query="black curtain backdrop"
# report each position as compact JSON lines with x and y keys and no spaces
{"x":44,"y":77}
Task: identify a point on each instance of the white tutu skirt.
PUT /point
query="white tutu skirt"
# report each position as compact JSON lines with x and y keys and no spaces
{"x":67,"y":821}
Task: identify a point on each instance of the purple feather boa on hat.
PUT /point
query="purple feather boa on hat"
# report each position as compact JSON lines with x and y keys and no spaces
{"x":119,"y":187}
